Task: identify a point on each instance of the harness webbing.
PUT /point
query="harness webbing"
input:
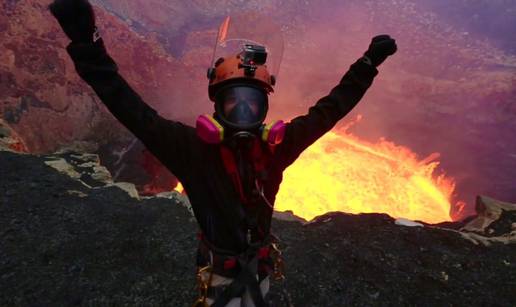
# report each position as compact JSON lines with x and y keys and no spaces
{"x":247,"y":264}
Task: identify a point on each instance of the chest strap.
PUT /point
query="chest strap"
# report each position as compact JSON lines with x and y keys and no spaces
{"x":258,"y":157}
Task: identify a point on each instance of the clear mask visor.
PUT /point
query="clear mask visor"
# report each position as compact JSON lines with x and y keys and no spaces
{"x":242,"y":106}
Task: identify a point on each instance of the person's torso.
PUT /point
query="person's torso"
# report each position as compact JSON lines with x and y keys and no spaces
{"x":230,"y":215}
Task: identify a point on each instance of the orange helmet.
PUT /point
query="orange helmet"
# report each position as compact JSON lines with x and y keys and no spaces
{"x":247,"y":66}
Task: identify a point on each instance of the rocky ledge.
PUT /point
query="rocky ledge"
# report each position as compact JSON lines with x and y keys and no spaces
{"x":70,"y":236}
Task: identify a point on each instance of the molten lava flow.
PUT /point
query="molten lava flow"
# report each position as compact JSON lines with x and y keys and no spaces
{"x":179,"y":188}
{"x":342,"y":173}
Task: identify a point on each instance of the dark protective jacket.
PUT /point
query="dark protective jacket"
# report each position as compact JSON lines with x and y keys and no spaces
{"x":222,"y":217}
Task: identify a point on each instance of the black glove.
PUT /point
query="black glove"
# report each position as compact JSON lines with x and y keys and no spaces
{"x":77,"y":19}
{"x":380,"y":48}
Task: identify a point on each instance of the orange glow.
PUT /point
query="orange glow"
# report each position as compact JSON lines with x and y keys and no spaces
{"x":18,"y":147}
{"x":179,"y":188}
{"x":343,"y":173}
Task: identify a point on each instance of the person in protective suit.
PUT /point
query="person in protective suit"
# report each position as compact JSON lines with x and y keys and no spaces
{"x":231,"y":164}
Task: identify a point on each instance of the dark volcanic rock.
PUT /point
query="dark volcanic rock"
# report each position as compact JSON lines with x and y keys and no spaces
{"x":63,"y":243}
{"x":367,"y":260}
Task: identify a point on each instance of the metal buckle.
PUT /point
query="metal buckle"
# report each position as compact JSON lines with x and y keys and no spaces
{"x":203,"y":286}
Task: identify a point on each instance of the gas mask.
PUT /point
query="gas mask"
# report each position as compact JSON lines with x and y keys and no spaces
{"x":239,"y":113}
{"x":241,"y":107}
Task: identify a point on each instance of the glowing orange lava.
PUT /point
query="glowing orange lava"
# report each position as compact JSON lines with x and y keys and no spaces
{"x":179,"y":188}
{"x":343,"y":173}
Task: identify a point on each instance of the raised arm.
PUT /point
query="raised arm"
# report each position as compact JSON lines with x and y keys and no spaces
{"x":164,"y":138}
{"x":304,"y":130}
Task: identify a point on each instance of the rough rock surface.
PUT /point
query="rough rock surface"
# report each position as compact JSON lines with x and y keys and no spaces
{"x":40,"y":88}
{"x":10,"y":140}
{"x":63,"y":243}
{"x":495,"y":222}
